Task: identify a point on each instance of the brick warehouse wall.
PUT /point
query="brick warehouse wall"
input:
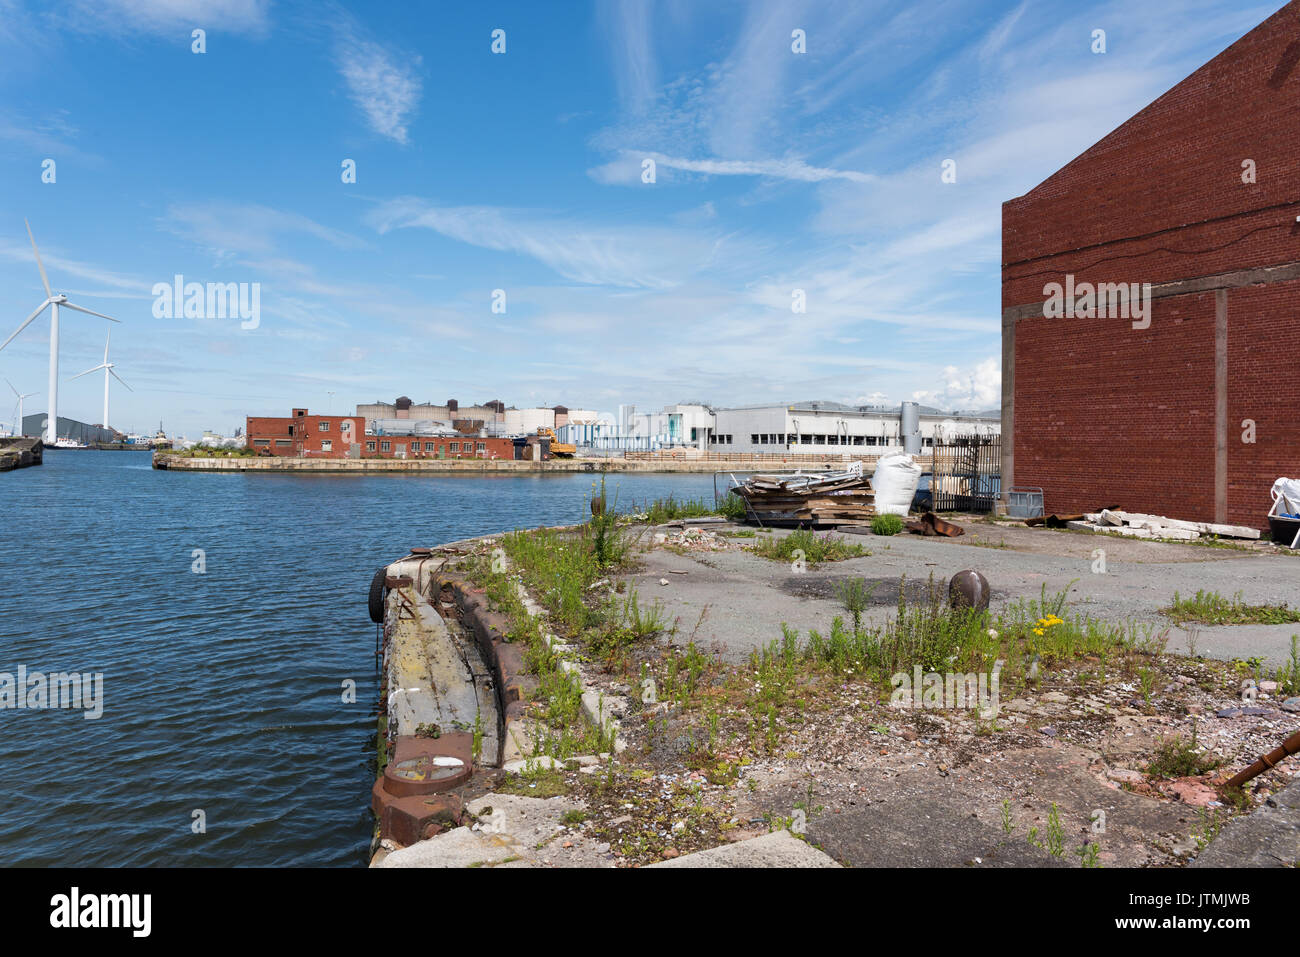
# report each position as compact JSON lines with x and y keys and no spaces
{"x":1099,"y":413}
{"x":271,"y":434}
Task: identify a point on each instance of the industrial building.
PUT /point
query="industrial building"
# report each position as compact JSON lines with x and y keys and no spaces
{"x":491,"y":418}
{"x":829,"y":427}
{"x":402,"y":407}
{"x":805,"y":427}
{"x":330,"y":436}
{"x":86,"y":434}
{"x":302,"y":434}
{"x":1151,"y":301}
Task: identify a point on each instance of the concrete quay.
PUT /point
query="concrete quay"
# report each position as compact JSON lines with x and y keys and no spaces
{"x":20,"y":453}
{"x":173,"y":462}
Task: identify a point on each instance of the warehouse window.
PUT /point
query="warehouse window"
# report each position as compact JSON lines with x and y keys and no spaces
{"x":283,"y":442}
{"x":327,"y":446}
{"x":261,"y":441}
{"x":370,"y":446}
{"x":324,"y":426}
{"x":455,"y":447}
{"x":481,"y":446}
{"x":385,"y":446}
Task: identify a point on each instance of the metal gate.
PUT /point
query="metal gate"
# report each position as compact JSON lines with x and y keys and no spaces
{"x":966,"y":473}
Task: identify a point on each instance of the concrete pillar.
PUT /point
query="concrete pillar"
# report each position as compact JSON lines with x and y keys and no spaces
{"x":1008,"y":403}
{"x":1221,"y":406}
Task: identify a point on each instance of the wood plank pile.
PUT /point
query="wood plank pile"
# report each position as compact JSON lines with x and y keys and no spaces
{"x":1141,"y":525}
{"x":834,"y":498}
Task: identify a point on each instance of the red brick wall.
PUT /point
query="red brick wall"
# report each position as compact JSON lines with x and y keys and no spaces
{"x":1109,"y":416}
{"x":467,"y":445}
{"x":1106,"y":414}
{"x":1263,"y":385}
{"x":308,"y":438}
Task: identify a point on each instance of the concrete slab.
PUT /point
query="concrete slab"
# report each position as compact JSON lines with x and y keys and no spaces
{"x":778,"y":849}
{"x":1267,"y":837}
{"x":736,"y":601}
{"x":511,"y":829}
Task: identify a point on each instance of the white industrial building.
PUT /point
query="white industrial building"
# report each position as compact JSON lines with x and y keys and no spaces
{"x":821,"y":427}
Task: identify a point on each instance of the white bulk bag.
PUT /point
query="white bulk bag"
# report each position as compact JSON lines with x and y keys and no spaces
{"x":894,"y":483}
{"x":1286,"y":497}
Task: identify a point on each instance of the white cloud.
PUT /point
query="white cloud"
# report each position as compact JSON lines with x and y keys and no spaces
{"x":972,"y":389}
{"x":627,"y":169}
{"x":584,"y":252}
{"x":246,"y":228}
{"x":172,"y":16}
{"x":383,"y":83}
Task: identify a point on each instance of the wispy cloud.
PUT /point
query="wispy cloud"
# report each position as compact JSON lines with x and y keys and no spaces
{"x":627,"y":169}
{"x":584,"y":252}
{"x":627,"y":25}
{"x":384,"y":83}
{"x":228,"y":229}
{"x":171,"y":16}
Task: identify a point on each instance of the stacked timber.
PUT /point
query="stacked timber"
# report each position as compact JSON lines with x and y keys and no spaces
{"x":810,"y":498}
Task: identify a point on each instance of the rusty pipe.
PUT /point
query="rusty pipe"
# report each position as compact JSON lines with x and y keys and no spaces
{"x":1289,"y":746}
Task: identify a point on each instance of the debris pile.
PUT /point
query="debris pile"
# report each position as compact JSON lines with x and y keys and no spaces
{"x":1140,"y":525}
{"x":692,"y":539}
{"x":821,"y":498}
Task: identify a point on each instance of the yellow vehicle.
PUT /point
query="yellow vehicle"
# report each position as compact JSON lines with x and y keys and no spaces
{"x":561,"y":449}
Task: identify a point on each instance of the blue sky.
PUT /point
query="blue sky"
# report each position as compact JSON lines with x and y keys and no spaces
{"x":521,"y":171}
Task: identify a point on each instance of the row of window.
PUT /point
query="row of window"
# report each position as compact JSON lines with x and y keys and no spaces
{"x":387,"y":446}
{"x":777,"y":438}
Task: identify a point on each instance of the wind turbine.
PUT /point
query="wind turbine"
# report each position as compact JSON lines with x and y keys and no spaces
{"x":18,"y":432}
{"x":53,"y":301}
{"x":108,"y":371}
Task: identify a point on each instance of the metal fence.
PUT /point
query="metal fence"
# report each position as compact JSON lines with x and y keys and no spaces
{"x":966,"y":473}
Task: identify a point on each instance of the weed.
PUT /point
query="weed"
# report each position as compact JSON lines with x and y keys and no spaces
{"x":886,"y":525}
{"x":1288,"y":677}
{"x":814,"y":548}
{"x":1211,"y":608}
{"x":855,"y":594}
{"x":1055,"y":833}
{"x":1178,"y":758}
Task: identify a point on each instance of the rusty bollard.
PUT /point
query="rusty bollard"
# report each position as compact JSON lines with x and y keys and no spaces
{"x":969,"y":589}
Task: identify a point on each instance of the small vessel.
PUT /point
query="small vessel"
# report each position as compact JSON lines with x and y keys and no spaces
{"x":63,"y":443}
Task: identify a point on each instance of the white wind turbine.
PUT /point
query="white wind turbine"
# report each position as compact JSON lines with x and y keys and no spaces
{"x":18,"y":431}
{"x":53,"y":301}
{"x":108,"y":371}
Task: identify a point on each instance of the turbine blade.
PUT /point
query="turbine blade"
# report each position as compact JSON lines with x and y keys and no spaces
{"x":107,"y":341}
{"x":87,"y":372}
{"x":26,"y":322}
{"x":89,"y":312}
{"x":119,"y":379}
{"x":39,"y":265}
{"x":11,"y":387}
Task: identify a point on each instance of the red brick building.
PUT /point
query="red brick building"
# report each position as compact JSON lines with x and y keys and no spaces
{"x":1193,"y":409}
{"x":302,"y":434}
{"x":341,"y":436}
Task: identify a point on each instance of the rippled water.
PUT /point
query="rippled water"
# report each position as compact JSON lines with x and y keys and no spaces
{"x":222,"y":690}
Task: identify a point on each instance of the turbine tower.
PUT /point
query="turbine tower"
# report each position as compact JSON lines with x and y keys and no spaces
{"x":53,"y":301}
{"x":108,"y":371}
{"x":18,"y":432}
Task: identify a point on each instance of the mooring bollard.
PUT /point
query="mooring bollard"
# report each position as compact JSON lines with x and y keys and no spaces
{"x":969,"y":589}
